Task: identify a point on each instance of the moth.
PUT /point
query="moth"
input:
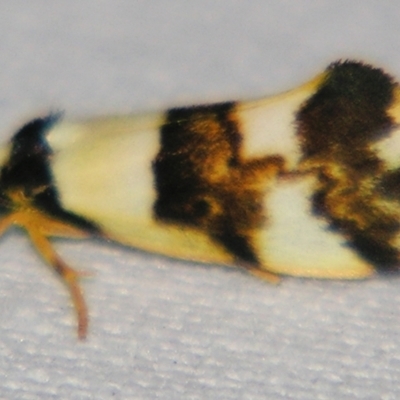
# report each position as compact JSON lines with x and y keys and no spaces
{"x":306,"y":183}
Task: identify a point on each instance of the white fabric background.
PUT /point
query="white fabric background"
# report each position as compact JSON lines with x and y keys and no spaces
{"x":160,"y":328}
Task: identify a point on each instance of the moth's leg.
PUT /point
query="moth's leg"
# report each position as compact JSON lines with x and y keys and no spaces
{"x":5,"y":223}
{"x":40,"y":226}
{"x":69,"y":276}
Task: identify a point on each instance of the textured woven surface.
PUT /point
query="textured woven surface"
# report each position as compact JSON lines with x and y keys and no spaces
{"x":163,"y":329}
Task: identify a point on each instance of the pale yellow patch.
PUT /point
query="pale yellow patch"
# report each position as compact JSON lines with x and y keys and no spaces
{"x":295,"y":242}
{"x":268,"y":124}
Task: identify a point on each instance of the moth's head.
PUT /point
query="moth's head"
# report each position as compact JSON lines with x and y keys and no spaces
{"x":25,"y":164}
